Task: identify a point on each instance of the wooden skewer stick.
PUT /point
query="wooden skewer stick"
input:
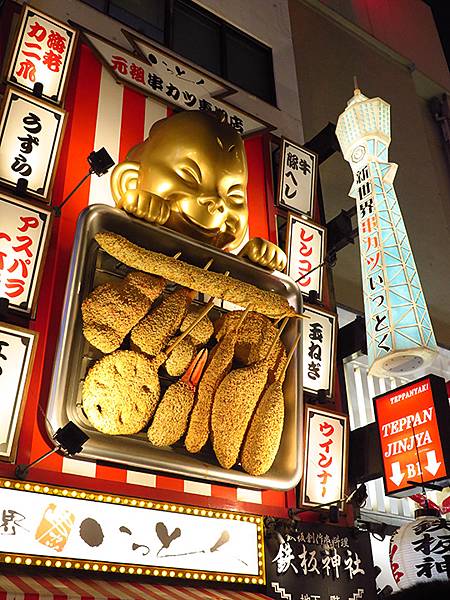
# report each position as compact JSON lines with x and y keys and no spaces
{"x":290,"y":355}
{"x":205,"y":310}
{"x":177,"y":255}
{"x":208,"y":264}
{"x":277,"y":337}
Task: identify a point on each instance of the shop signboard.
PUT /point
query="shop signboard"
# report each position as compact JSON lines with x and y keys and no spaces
{"x":298,"y":175}
{"x":326,"y":454}
{"x":319,"y":347}
{"x":305,"y":251}
{"x":181,"y":86}
{"x":56,"y":527}
{"x":17,"y":348}
{"x":311,"y":561}
{"x":42,"y":54}
{"x":30,"y":137}
{"x":414,"y":447}
{"x":24,"y":236}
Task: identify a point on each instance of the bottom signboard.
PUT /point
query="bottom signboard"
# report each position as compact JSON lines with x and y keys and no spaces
{"x":55,"y":527}
{"x":311,"y":561}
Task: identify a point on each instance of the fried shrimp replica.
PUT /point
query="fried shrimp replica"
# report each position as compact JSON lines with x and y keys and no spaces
{"x":120,"y":392}
{"x":218,"y":366}
{"x":171,"y":417}
{"x":151,"y":335}
{"x":195,"y":278}
{"x":112,"y":309}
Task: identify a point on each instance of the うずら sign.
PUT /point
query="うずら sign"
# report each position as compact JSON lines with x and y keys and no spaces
{"x":410,"y":421}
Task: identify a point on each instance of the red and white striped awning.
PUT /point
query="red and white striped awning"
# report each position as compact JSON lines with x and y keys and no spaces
{"x":18,"y":587}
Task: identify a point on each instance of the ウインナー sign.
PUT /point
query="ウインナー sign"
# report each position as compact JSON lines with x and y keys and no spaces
{"x":326,"y":454}
{"x":30,"y":136}
{"x":413,"y":447}
{"x":305,"y":251}
{"x":42,"y":54}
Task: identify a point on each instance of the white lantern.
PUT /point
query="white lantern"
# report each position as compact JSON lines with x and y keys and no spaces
{"x":420,"y":550}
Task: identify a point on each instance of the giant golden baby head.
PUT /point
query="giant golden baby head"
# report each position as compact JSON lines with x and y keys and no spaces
{"x":190,"y":175}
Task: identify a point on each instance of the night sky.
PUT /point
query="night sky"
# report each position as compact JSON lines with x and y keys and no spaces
{"x":441,"y":13}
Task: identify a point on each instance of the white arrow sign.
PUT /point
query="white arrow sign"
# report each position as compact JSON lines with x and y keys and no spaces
{"x":433,"y":465}
{"x":397,"y":476}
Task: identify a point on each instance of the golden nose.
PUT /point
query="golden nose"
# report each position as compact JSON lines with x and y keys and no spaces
{"x":213,"y":204}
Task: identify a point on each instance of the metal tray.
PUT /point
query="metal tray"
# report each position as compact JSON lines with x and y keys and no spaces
{"x":91,"y":266}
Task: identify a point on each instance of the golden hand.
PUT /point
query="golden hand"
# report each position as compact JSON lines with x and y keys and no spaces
{"x":145,"y":205}
{"x":265,"y":254}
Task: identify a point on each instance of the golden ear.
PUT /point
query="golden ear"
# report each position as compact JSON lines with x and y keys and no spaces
{"x":124,"y":179}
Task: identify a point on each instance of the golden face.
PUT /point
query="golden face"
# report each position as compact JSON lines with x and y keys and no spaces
{"x":198,"y":166}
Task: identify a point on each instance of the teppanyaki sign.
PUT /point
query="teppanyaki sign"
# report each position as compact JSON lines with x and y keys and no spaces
{"x":410,"y":421}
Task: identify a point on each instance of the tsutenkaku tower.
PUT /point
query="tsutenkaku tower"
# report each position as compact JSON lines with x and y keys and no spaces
{"x":400,"y":336}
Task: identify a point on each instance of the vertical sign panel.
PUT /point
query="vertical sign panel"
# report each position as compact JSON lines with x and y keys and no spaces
{"x":17,"y":347}
{"x":305,"y":250}
{"x":30,"y":136}
{"x":325,"y":464}
{"x":42,"y":54}
{"x":409,"y":421}
{"x":24,"y":235}
{"x":319,"y":347}
{"x":297,"y":181}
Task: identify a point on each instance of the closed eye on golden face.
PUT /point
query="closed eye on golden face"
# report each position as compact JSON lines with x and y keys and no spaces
{"x":236,"y":194}
{"x":190,"y":172}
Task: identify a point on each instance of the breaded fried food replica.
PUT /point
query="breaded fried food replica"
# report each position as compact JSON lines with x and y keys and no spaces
{"x":254,"y":339}
{"x":204,"y":329}
{"x":120,"y":392}
{"x":217,"y":368}
{"x":171,"y":417}
{"x":233,"y":406}
{"x":151,"y":335}
{"x":207,"y":282}
{"x":113,"y":309}
{"x":264,"y":434}
{"x":180,"y":357}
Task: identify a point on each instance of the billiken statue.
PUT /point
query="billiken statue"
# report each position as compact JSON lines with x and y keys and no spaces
{"x":190,"y":175}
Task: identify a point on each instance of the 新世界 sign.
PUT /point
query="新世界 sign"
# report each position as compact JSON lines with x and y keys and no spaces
{"x":410,"y":419}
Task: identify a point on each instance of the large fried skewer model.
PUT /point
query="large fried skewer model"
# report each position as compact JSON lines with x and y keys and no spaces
{"x":264,"y":434}
{"x":218,"y":366}
{"x":195,"y":278}
{"x":233,"y":407}
{"x":171,"y":416}
{"x":151,"y":335}
{"x":113,"y":309}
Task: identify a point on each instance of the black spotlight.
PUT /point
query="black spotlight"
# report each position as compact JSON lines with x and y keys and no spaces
{"x":70,"y":438}
{"x":100,"y":161}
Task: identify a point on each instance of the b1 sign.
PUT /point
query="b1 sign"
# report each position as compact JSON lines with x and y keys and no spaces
{"x":410,"y":419}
